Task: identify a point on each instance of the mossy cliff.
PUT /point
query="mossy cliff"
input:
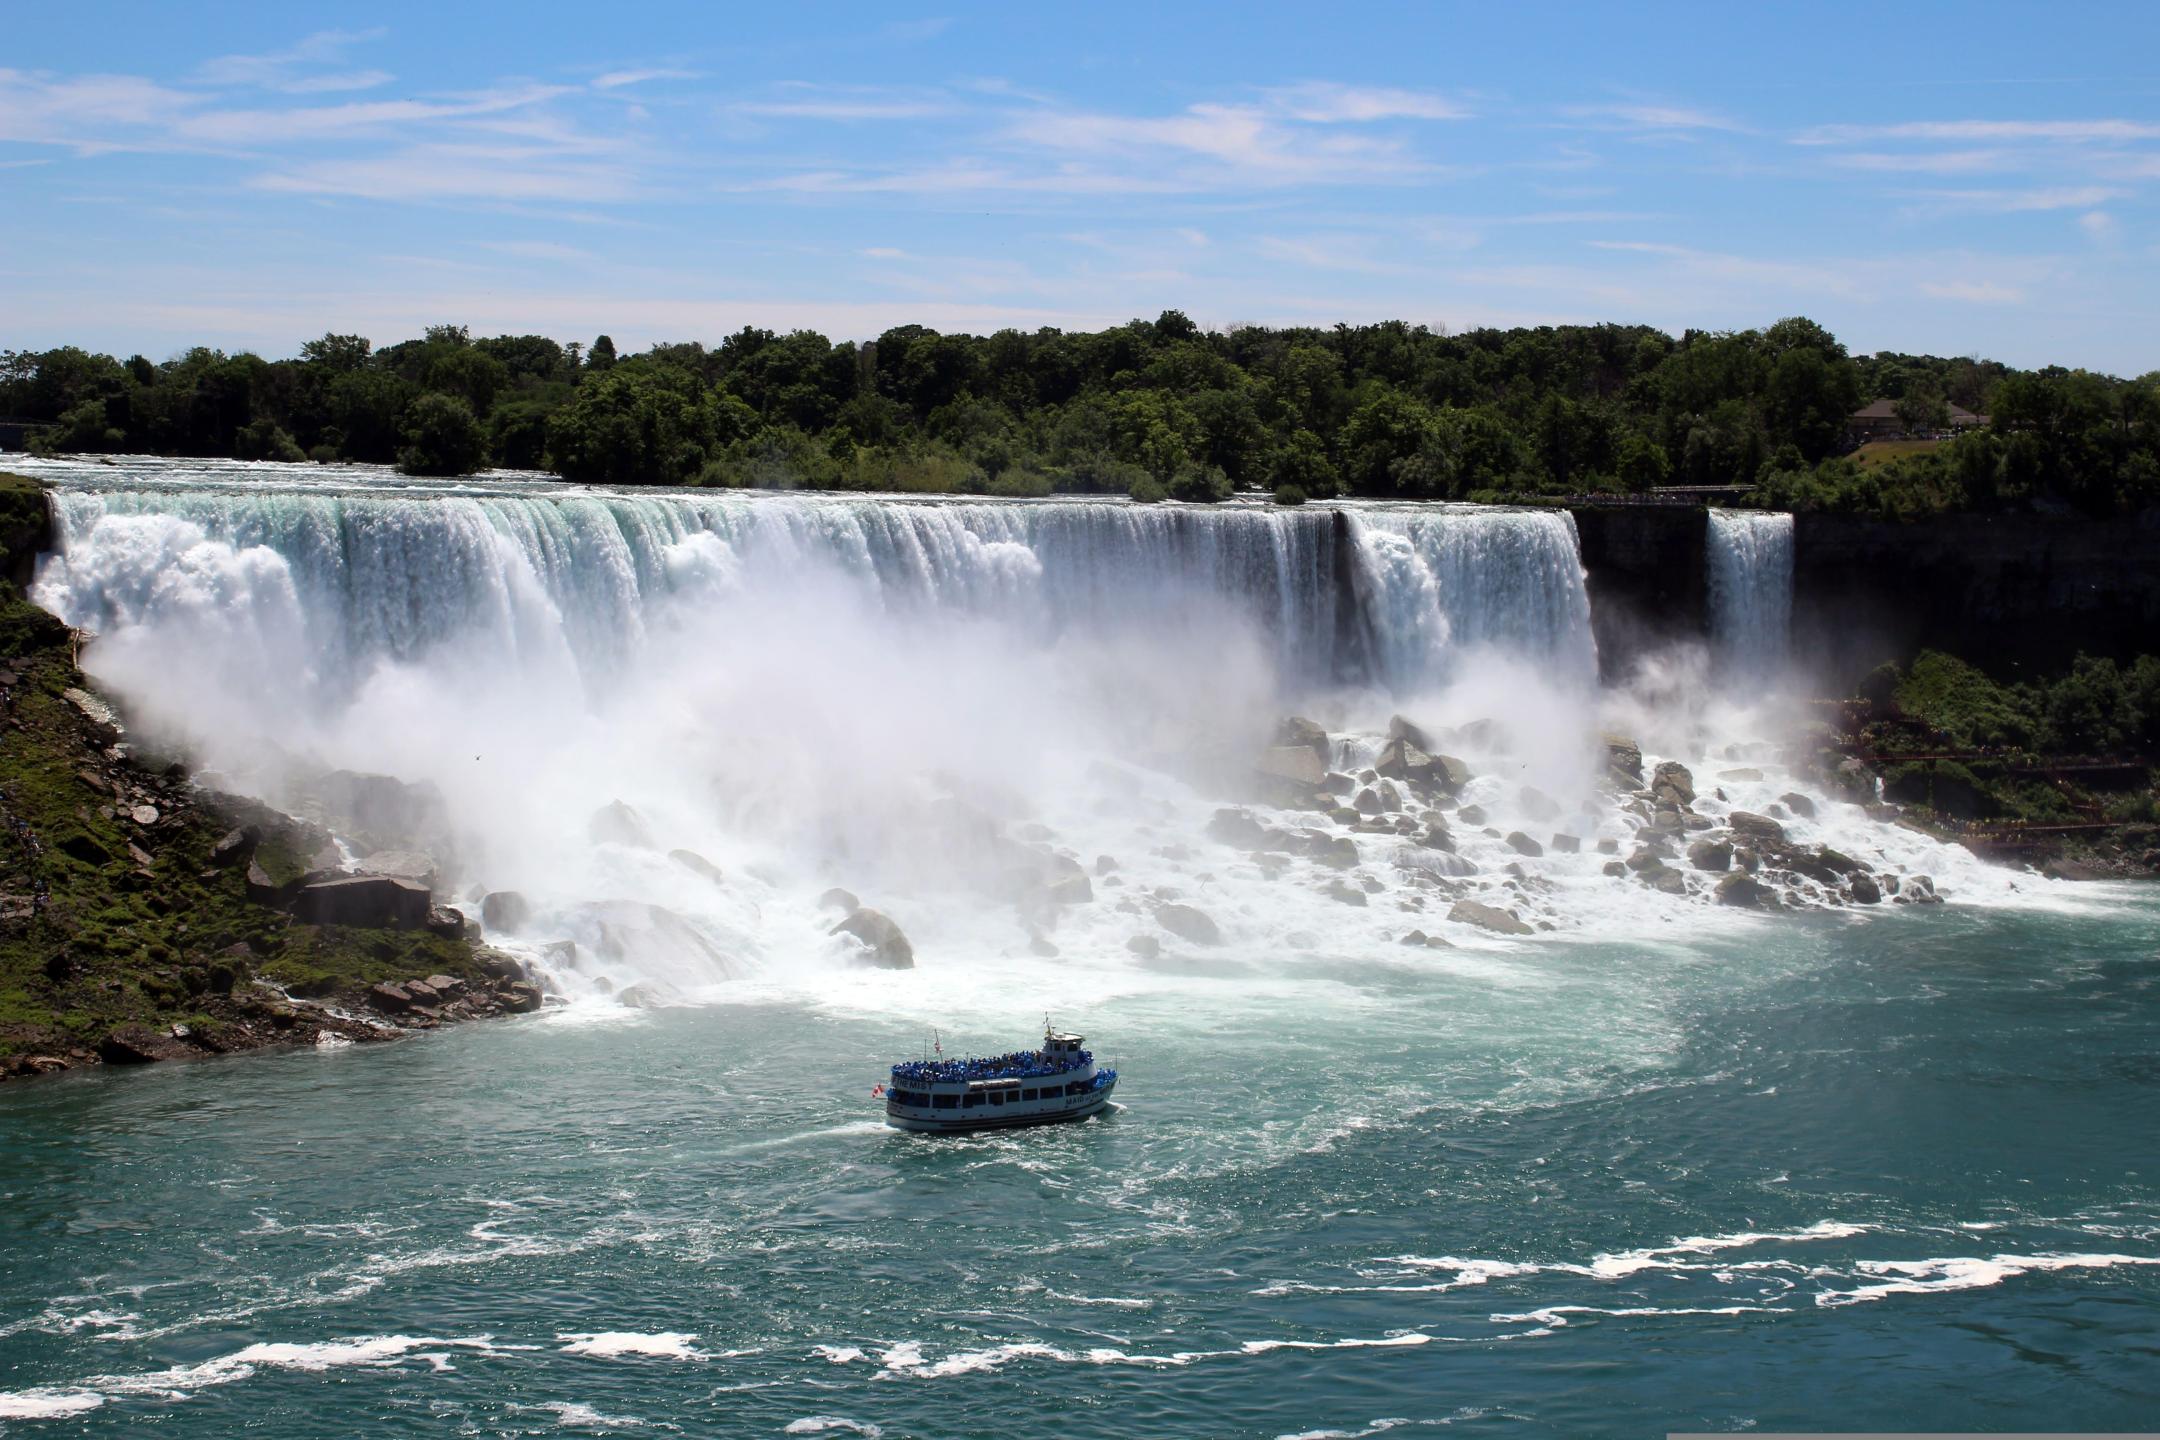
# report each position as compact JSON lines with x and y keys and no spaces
{"x":141,"y":918}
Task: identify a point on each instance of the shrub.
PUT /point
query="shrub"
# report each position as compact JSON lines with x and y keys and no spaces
{"x":1289,"y":495}
{"x":442,"y":437}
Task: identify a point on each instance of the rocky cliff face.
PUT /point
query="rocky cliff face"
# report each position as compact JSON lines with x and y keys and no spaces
{"x":2006,"y":592}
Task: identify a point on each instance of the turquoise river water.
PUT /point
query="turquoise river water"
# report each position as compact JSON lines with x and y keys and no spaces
{"x":1898,"y":1173}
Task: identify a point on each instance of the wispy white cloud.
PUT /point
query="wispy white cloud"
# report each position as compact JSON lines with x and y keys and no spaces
{"x":282,"y":127}
{"x":1942,"y":162}
{"x":1984,"y":131}
{"x":617,"y":79}
{"x":1646,"y":116}
{"x":444,"y":172}
{"x":1324,"y":103}
{"x":537,"y":250}
{"x":2015,"y":202}
{"x":289,"y":70}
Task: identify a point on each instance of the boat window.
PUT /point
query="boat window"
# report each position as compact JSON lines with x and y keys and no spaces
{"x":942,"y":1102}
{"x":1031,"y":1095}
{"x":997,"y":1097}
{"x":971,"y":1100}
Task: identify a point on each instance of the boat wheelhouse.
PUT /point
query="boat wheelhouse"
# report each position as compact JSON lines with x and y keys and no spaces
{"x":1058,"y":1082}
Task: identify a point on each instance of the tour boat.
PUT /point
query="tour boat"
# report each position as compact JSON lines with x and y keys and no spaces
{"x":1028,"y":1087}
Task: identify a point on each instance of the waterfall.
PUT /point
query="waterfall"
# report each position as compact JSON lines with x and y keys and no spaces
{"x":1750,"y":569}
{"x":1447,"y":582}
{"x":348,"y":577}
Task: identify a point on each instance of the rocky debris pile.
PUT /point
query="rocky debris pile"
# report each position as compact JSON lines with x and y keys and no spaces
{"x":505,"y":987}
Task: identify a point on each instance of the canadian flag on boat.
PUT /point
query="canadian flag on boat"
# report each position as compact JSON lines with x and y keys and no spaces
{"x":876,"y":1090}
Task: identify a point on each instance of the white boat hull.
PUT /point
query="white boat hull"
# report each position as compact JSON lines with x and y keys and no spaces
{"x":1000,"y":1117}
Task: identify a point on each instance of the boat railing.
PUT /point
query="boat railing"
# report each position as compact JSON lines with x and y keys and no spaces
{"x":1032,"y":1065}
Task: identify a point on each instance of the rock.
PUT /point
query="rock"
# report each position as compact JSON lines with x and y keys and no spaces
{"x":390,"y":997}
{"x":1667,"y":880}
{"x":80,"y":846}
{"x":423,"y":994}
{"x":1645,"y":859}
{"x":838,"y":899}
{"x":1615,"y":869}
{"x":1838,"y":861}
{"x":137,"y":1045}
{"x":447,"y":923}
{"x":1239,"y":828}
{"x":368,"y":901}
{"x":1537,"y":805}
{"x":1299,"y":733}
{"x":1415,"y":937}
{"x":1710,"y":855}
{"x":1623,"y":757}
{"x":1449,"y":773}
{"x":1471,"y":815}
{"x":1854,"y":780}
{"x":1368,"y":802}
{"x":1488,"y":917}
{"x":1566,"y":844}
{"x":1071,"y":890}
{"x":1799,"y":804}
{"x":500,"y":965}
{"x":1187,"y":923}
{"x":1755,"y":827}
{"x":505,"y":910}
{"x":445,"y":984}
{"x":520,"y":997}
{"x":1607,"y":845}
{"x":401,"y":865}
{"x":1345,"y":892}
{"x":2072,"y":870}
{"x":1436,"y":837}
{"x":1864,"y":890}
{"x":1406,"y":731}
{"x":1339,"y":852}
{"x":1147,"y":947}
{"x":1337,"y":783}
{"x":1741,"y":889}
{"x":617,"y":824}
{"x":1401,"y":760}
{"x":1104,"y":865}
{"x":1298,"y":764}
{"x":697,"y":865}
{"x":1522,"y":844}
{"x":235,"y":846}
{"x":1675,"y":777}
{"x":887,"y":947}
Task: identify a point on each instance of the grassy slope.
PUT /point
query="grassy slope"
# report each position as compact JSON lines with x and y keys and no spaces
{"x":90,"y":936}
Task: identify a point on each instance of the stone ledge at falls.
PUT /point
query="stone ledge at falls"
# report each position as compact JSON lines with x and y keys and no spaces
{"x":130,"y":931}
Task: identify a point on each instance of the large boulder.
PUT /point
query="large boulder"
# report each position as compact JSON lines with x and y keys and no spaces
{"x":1488,"y":917}
{"x":1294,"y":764}
{"x":1537,"y":805}
{"x":1240,"y":829}
{"x":1673,"y":784}
{"x":1296,"y":731}
{"x":885,"y":946}
{"x":1756,"y":827}
{"x":839,"y":899}
{"x":1401,"y":760}
{"x":1799,"y":804}
{"x":235,"y":845}
{"x":1864,"y":890}
{"x":505,"y":910}
{"x":697,"y":865}
{"x":1710,"y":855}
{"x":1409,"y":733}
{"x":1742,"y":889}
{"x":1187,"y":923}
{"x":375,"y":902}
{"x":618,"y":824}
{"x":411,"y":865}
{"x":1449,"y":773}
{"x":1623,"y":757}
{"x":138,"y":1045}
{"x":1522,"y":844}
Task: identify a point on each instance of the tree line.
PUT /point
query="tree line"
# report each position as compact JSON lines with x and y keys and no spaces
{"x":1152,"y":409}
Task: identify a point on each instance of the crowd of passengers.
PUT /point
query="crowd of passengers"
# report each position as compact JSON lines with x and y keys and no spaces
{"x":1019,"y":1065}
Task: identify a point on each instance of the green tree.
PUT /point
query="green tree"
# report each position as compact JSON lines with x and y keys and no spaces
{"x":634,"y":425}
{"x":442,"y":437}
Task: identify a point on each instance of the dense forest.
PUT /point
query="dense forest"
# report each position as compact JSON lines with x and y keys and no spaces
{"x":1154,"y":409}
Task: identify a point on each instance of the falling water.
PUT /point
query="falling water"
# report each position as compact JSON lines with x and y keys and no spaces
{"x":1750,"y":571}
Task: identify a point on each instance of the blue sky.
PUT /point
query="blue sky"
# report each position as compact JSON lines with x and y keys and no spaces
{"x":1969,"y":179}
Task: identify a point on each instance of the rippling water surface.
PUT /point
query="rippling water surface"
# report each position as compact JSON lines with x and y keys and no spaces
{"x":1820,"y":1173}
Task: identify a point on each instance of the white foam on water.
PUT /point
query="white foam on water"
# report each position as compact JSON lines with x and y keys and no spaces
{"x":572,"y":1414}
{"x":822,"y":1424}
{"x":618,"y":1344}
{"x":1965,"y":1272}
{"x":181,"y":1381}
